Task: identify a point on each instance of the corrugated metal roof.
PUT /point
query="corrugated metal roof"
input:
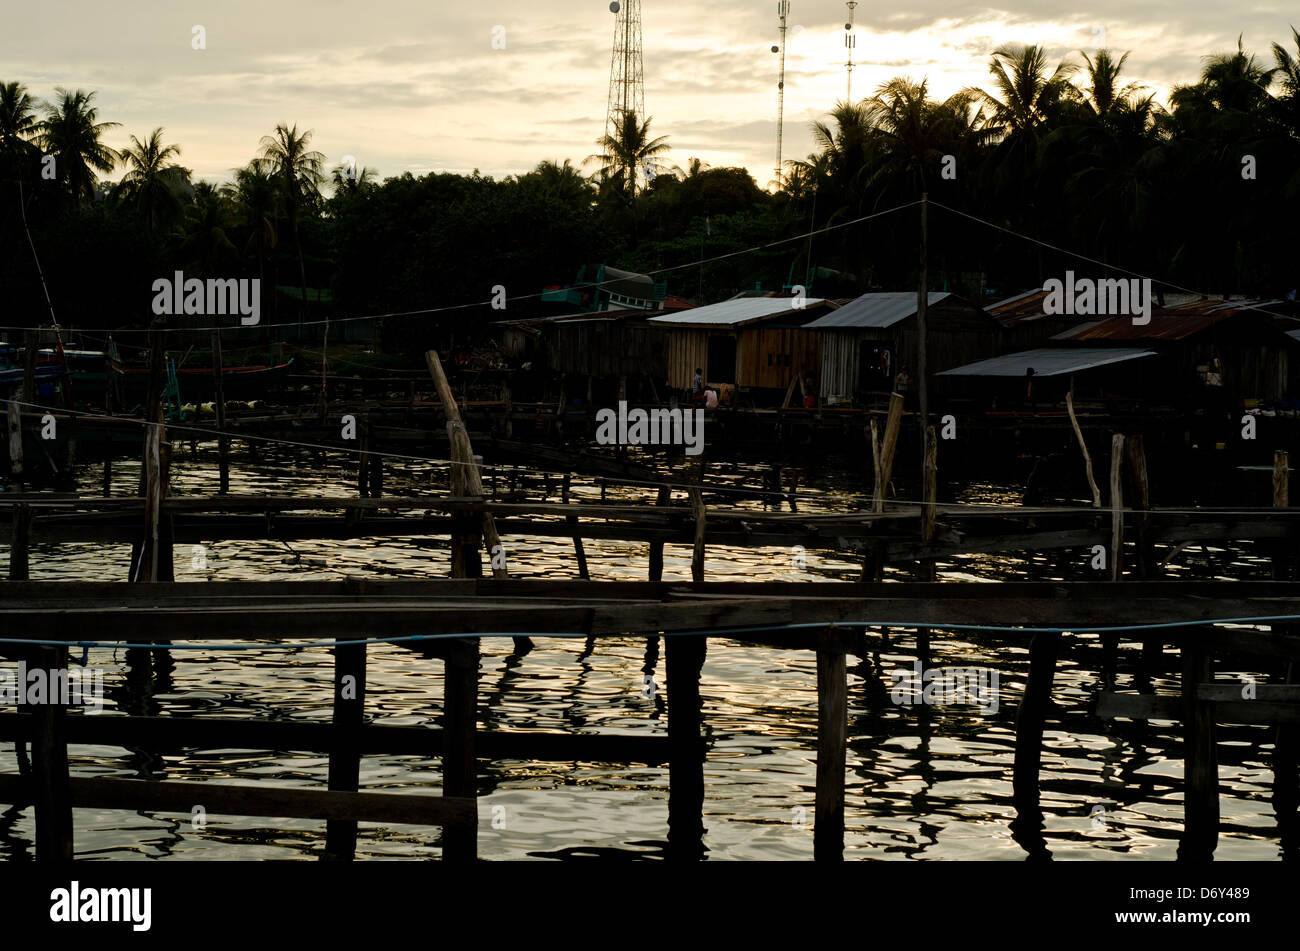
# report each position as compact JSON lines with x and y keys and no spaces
{"x":1167,"y":323}
{"x":875,"y":310}
{"x":1048,"y":362}
{"x":1022,"y":307}
{"x":735,"y":313}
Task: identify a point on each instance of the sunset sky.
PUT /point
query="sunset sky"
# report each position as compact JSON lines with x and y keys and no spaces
{"x":414,"y":86}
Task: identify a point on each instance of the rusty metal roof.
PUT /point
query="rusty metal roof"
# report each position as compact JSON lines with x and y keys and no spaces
{"x":1167,"y":323}
{"x":1012,"y":310}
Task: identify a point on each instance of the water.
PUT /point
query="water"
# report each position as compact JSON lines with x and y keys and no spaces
{"x":922,"y":783}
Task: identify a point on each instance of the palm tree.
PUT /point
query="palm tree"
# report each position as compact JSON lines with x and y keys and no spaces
{"x":565,"y":182}
{"x":298,"y":172}
{"x":1027,"y":95}
{"x":914,"y":133}
{"x":17,"y":122}
{"x":1104,"y":92}
{"x":71,"y":132}
{"x":150,"y":181}
{"x":348,"y":181}
{"x":257,"y":202}
{"x":209,"y":217}
{"x":627,"y":151}
{"x":1287,"y":73}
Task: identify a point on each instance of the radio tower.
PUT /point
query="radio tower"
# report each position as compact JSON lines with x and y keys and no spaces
{"x":626,"y":82}
{"x":849,"y":43}
{"x":782,"y":11}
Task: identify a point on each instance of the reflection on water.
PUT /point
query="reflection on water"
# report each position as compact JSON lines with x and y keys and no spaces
{"x":923,"y":782}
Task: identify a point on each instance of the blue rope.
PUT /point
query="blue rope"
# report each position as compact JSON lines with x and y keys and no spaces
{"x":939,"y":625}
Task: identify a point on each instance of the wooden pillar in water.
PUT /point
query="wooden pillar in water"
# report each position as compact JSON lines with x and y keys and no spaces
{"x":1031,"y":716}
{"x":345,"y":757}
{"x":1286,"y":742}
{"x":20,"y":542}
{"x":684,"y":658}
{"x":656,"y":569}
{"x":15,"y":413}
{"x":459,"y":724}
{"x":929,"y":501}
{"x":1200,"y":760}
{"x":697,"y":555}
{"x":832,"y":730}
{"x":50,"y":767}
{"x":219,"y":404}
{"x":572,"y":520}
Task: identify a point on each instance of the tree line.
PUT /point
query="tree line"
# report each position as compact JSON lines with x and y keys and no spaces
{"x":1203,"y":193}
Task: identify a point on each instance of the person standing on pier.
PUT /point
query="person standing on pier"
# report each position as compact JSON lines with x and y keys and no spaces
{"x":697,"y":386}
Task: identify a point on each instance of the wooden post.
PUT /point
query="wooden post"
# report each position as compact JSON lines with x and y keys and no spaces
{"x":363,"y":460}
{"x":1030,"y":717}
{"x":19,"y":545}
{"x":15,"y":437}
{"x":656,"y":572}
{"x":1116,"y":507}
{"x":577,"y":538}
{"x":50,"y":767}
{"x":464,"y":460}
{"x":697,"y":555}
{"x":1281,"y":500}
{"x":1200,"y":761}
{"x":873,"y":566}
{"x":892,"y":424}
{"x":922,"y":300}
{"x":31,"y":352}
{"x":832,"y":729}
{"x":460,"y":722}
{"x":1087,"y":459}
{"x":345,"y":757}
{"x":684,"y":658}
{"x":929,"y":568}
{"x":219,"y":404}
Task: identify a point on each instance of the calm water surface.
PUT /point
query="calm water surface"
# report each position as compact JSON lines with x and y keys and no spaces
{"x":922,"y":783}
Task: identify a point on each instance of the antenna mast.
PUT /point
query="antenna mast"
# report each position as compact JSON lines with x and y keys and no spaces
{"x":782,"y":11}
{"x":626,"y":81}
{"x":850,"y":41}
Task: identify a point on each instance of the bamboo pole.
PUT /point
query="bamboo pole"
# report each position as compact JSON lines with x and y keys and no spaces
{"x":1087,"y":459}
{"x":892,"y":425}
{"x":1116,"y":507}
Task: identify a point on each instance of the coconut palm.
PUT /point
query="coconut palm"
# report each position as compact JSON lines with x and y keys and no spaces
{"x":150,"y":184}
{"x":1025,"y":95}
{"x":71,"y":132}
{"x":17,"y":120}
{"x":1103,"y":92}
{"x":298,"y":172}
{"x":257,"y":202}
{"x":628,"y":151}
{"x":348,"y":181}
{"x":209,"y":219}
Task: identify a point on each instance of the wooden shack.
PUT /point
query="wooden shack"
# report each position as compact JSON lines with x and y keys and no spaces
{"x":1215,"y":351}
{"x":753,"y":342}
{"x":866,"y":342}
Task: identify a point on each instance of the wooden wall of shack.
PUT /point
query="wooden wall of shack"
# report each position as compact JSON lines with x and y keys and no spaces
{"x":772,"y":356}
{"x":605,"y":348}
{"x":957,"y":333}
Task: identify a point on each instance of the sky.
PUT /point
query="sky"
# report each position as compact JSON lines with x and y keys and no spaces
{"x":425,"y":86}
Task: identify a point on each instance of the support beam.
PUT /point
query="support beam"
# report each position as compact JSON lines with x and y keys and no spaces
{"x":684,"y":658}
{"x":345,"y":759}
{"x":460,"y":723}
{"x":832,"y":729}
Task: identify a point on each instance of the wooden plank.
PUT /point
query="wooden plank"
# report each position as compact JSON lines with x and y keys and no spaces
{"x":832,"y":728}
{"x":199,"y":733}
{"x":170,"y":796}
